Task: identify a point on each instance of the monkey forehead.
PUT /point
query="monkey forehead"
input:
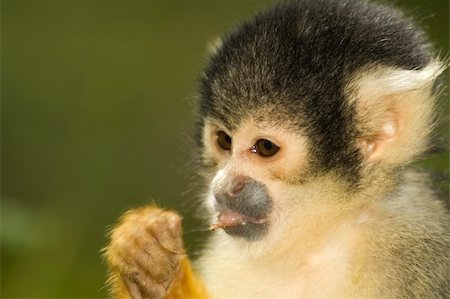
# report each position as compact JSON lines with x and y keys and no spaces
{"x":263,"y":123}
{"x":264,"y":118}
{"x":297,"y":58}
{"x":298,"y":55}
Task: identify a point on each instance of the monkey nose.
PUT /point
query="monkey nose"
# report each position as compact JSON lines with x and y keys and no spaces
{"x":237,"y":185}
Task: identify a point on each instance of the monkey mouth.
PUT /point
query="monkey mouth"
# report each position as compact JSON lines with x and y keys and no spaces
{"x":227,"y":219}
{"x":240,"y":225}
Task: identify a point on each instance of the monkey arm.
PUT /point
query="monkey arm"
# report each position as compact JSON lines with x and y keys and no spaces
{"x":146,"y":257}
{"x":186,"y":284}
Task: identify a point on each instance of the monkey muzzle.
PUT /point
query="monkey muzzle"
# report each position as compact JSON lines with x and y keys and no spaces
{"x":244,"y":206}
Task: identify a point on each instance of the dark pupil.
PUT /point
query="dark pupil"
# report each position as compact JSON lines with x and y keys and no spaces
{"x":266,"y":148}
{"x":224,"y":140}
{"x":267,"y":145}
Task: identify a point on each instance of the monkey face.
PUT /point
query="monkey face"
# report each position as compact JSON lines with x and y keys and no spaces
{"x":252,"y":163}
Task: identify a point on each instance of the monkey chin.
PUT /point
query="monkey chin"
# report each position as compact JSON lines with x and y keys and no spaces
{"x":240,"y":225}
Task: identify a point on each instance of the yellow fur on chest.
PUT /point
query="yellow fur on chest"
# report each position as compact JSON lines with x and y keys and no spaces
{"x":321,"y":273}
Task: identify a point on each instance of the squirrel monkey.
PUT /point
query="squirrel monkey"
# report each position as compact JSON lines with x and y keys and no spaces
{"x":310,"y":115}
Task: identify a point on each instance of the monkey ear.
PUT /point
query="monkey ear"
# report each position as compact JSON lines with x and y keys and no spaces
{"x":394,"y":111}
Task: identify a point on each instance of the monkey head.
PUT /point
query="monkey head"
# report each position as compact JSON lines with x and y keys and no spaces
{"x":302,"y":110}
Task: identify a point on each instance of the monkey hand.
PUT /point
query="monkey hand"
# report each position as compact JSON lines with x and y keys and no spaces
{"x":144,"y":253}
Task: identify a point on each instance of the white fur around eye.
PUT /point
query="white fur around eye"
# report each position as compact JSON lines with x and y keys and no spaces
{"x":218,"y":177}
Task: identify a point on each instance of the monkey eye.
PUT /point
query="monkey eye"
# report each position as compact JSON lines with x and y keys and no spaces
{"x":265,"y":148}
{"x":224,"y":140}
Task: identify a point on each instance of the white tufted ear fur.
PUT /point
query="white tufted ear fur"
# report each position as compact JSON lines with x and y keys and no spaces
{"x":394,"y":111}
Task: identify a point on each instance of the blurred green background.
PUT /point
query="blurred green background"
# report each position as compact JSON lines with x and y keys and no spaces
{"x":97,"y":100}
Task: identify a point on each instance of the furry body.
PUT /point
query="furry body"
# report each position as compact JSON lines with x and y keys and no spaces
{"x":309,"y":116}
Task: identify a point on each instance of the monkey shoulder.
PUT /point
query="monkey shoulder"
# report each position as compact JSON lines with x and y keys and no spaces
{"x":408,"y":245}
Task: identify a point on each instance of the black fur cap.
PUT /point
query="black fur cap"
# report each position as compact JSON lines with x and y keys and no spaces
{"x":295,"y":57}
